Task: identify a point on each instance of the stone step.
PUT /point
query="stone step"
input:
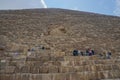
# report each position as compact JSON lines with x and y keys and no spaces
{"x":78,"y":58}
{"x":87,"y":62}
{"x":40,"y":53}
{"x":8,"y":69}
{"x":45,"y":58}
{"x":68,"y":58}
{"x":71,"y":63}
{"x":60,"y":69}
{"x":63,"y":76}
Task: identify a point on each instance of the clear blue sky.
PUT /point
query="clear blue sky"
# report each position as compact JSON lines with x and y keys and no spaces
{"x":109,"y":7}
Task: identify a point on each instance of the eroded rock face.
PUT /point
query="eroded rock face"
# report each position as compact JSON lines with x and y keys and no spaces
{"x":51,"y":35}
{"x":60,"y":29}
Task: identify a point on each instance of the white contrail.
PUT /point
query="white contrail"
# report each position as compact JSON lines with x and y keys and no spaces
{"x":43,"y":3}
{"x":117,"y":9}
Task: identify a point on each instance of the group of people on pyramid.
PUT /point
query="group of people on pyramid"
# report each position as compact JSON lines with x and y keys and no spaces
{"x":90,"y":52}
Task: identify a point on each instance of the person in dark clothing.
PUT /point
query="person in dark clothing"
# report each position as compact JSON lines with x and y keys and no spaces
{"x":93,"y":53}
{"x":29,"y":50}
{"x":82,"y":53}
{"x":108,"y":55}
{"x":87,"y":52}
{"x":43,"y":48}
{"x":75,"y":53}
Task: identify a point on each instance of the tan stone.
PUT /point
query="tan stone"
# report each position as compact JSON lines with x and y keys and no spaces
{"x":6,"y":77}
{"x":35,"y":77}
{"x":46,"y":77}
{"x":34,"y":70}
{"x":61,"y":77}
{"x":63,"y":69}
{"x":9,"y":69}
{"x":53,"y":69}
{"x":77,"y":76}
{"x":44,"y":69}
{"x":25,"y":69}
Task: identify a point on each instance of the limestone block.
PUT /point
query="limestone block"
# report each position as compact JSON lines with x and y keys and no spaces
{"x":52,"y":63}
{"x":116,"y":74}
{"x":65,"y":63}
{"x":21,"y":76}
{"x":25,"y":69}
{"x":77,"y":76}
{"x":69,"y":58}
{"x":96,"y":75}
{"x":86,"y":75}
{"x":45,"y":58}
{"x":71,"y":69}
{"x":53,"y":69}
{"x":94,"y":57}
{"x":57,"y":63}
{"x":18,"y":76}
{"x":59,"y":58}
{"x":107,"y":67}
{"x":86,"y":68}
{"x":25,"y":76}
{"x":91,"y":76}
{"x":32,"y":59}
{"x":10,"y":69}
{"x":101,"y":75}
{"x":59,"y":54}
{"x":3,"y":61}
{"x":34,"y":70}
{"x":76,"y":63}
{"x":114,"y":67}
{"x":98,"y":67}
{"x":106,"y":74}
{"x":79,"y":68}
{"x":63,"y":69}
{"x":46,"y":77}
{"x":2,"y":64}
{"x":35,"y":77}
{"x":7,"y":77}
{"x":44,"y":69}
{"x":61,"y":77}
{"x":93,"y":68}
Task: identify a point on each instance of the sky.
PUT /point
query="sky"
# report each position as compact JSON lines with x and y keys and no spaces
{"x":108,"y":7}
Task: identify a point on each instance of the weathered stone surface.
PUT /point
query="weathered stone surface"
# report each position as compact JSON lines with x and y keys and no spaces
{"x":9,"y":69}
{"x":36,"y":77}
{"x":61,"y":77}
{"x":7,"y":77}
{"x":44,"y":69}
{"x":25,"y":69}
{"x":77,"y":76}
{"x":52,"y":39}
{"x":53,"y":69}
{"x":47,"y":77}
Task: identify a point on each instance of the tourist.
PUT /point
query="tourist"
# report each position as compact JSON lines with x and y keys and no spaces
{"x":43,"y":48}
{"x":79,"y":52}
{"x":87,"y":52}
{"x":82,"y":53}
{"x":93,"y":52}
{"x":29,"y":52}
{"x":108,"y":55}
{"x":75,"y":53}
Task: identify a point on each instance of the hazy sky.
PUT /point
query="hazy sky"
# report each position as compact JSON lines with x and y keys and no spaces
{"x":110,"y":7}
